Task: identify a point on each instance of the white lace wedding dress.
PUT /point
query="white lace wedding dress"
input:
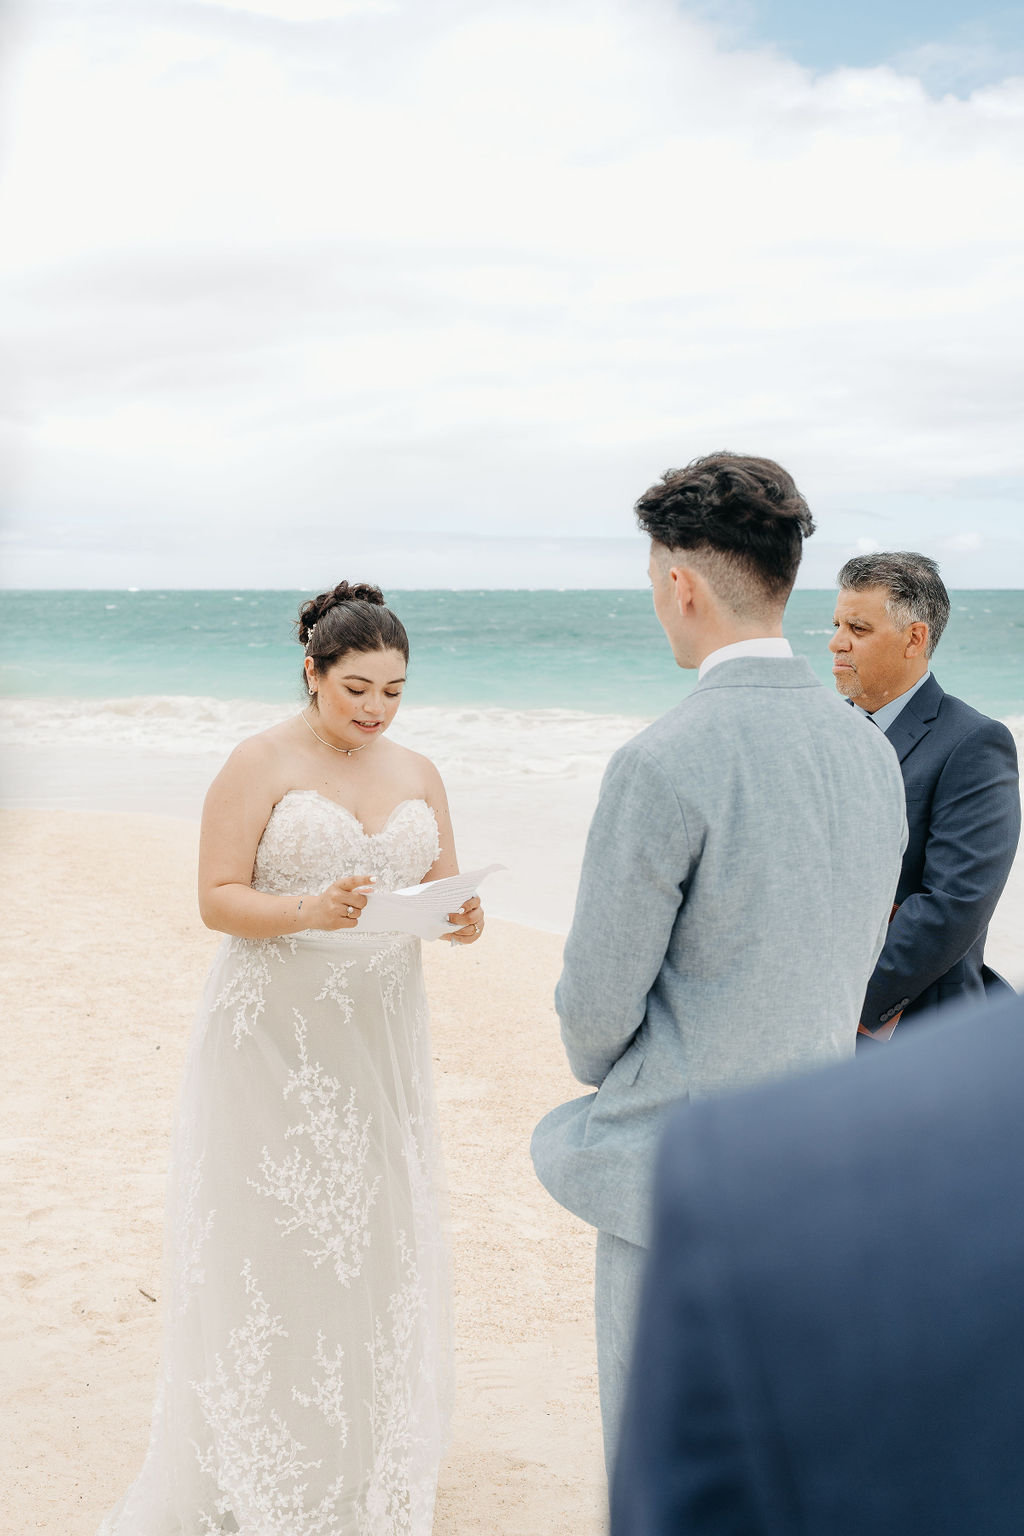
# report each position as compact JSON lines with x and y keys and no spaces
{"x":305,"y":1376}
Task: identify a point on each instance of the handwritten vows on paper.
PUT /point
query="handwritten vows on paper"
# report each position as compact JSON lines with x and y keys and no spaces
{"x":422,"y":910}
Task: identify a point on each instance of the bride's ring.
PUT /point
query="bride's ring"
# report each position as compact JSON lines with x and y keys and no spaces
{"x":476,"y":927}
{"x":351,"y":911}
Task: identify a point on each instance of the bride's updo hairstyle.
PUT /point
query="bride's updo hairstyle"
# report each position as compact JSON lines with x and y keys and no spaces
{"x":348,"y":618}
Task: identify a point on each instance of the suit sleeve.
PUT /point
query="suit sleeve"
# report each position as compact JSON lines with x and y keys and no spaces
{"x":972,"y":837}
{"x":682,"y":1463}
{"x":635,"y":867}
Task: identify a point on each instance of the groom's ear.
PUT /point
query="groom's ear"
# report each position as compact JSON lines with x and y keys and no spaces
{"x":683,"y":581}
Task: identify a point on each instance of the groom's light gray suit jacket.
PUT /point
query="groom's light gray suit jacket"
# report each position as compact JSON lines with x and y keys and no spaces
{"x":737,"y":882}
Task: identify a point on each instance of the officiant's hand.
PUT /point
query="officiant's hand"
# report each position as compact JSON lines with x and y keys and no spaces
{"x":340,"y":905}
{"x":471,"y":916}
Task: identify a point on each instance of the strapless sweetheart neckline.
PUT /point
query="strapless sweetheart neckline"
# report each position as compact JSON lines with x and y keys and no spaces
{"x":411,"y":800}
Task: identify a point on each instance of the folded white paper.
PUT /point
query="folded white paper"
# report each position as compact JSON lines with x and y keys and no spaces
{"x":421,"y":910}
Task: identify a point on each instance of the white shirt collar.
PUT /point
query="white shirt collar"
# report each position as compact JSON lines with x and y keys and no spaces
{"x":773,"y":645}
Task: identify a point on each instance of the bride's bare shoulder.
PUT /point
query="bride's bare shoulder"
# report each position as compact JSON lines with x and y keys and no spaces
{"x":261,"y":758}
{"x":419,"y":771}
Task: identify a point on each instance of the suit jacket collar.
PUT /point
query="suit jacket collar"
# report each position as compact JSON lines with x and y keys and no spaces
{"x":915,"y":720}
{"x":759,"y":672}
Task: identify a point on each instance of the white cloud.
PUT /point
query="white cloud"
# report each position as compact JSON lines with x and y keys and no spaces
{"x":306,"y":10}
{"x":964,"y":543}
{"x":490,"y":267}
{"x":970,"y":55}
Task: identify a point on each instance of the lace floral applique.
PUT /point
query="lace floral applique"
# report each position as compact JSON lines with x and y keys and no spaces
{"x":193,"y":1230}
{"x":330,"y":1198}
{"x":420,"y":1148}
{"x":310,"y":841}
{"x":335,"y":989}
{"x":253,"y":1458}
{"x":391,"y":967}
{"x":328,"y":1394}
{"x":420,"y":1191}
{"x":397,"y":1504}
{"x":244,"y":995}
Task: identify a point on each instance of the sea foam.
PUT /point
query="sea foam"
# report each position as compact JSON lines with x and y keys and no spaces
{"x":474,"y":742}
{"x":467,"y":742}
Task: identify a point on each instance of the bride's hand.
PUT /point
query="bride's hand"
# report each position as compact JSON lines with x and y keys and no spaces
{"x":340,"y":905}
{"x":471,"y":916}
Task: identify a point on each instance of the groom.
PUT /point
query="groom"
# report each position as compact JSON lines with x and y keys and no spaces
{"x":737,"y":881}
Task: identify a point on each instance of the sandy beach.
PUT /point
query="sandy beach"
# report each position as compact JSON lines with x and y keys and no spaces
{"x":105,"y":969}
{"x":106,"y":962}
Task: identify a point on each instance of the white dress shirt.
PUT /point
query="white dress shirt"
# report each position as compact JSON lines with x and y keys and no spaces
{"x":769,"y":645}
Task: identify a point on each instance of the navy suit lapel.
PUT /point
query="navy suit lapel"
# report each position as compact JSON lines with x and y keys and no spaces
{"x":915,"y":719}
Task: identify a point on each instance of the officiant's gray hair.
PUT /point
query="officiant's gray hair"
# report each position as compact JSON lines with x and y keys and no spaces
{"x":916,"y":592}
{"x":348,"y":618}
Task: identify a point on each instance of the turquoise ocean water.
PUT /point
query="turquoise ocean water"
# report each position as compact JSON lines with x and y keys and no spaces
{"x":596,"y":652}
{"x":130,"y":701}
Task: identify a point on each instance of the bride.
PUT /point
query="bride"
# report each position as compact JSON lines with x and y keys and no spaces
{"x":305,"y":1375}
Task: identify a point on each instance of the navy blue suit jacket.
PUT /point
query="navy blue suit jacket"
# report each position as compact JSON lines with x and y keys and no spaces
{"x":831,"y":1336}
{"x":963,"y":818}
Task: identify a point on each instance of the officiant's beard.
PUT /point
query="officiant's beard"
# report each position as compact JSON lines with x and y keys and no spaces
{"x":847,"y":682}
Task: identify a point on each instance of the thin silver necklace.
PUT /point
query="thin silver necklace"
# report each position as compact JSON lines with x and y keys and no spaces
{"x":348,"y":751}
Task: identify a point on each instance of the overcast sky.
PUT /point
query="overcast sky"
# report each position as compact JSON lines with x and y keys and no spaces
{"x":428,"y":291}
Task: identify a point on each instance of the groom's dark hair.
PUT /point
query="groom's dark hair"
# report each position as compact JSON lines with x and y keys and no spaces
{"x":741,"y":521}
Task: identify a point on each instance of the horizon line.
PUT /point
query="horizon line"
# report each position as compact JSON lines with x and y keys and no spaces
{"x":129,"y":591}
